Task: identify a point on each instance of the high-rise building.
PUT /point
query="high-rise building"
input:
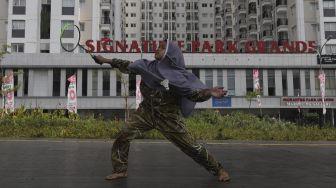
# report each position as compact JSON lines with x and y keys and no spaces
{"x":3,"y":22}
{"x":34,"y":28}
{"x":327,"y":25}
{"x":278,"y":20}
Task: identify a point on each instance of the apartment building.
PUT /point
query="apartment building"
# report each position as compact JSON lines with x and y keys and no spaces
{"x":327,"y":23}
{"x":3,"y":22}
{"x":34,"y":28}
{"x":271,"y":20}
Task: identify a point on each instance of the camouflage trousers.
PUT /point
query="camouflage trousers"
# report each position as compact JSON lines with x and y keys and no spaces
{"x":172,"y":127}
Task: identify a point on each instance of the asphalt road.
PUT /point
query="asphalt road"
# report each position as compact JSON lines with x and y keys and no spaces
{"x":49,"y":163}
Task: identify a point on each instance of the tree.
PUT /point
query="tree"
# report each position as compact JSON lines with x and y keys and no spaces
{"x":125,"y":93}
{"x":252,"y":96}
{"x":3,"y":52}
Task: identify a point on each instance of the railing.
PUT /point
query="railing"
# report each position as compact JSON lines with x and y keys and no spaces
{"x":105,"y":20}
{"x":281,"y":2}
{"x":282,"y":21}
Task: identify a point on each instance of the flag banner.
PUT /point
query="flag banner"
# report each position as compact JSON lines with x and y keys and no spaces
{"x":257,"y":84}
{"x":138,"y":95}
{"x":322,"y":79}
{"x":8,"y":92}
{"x":72,"y":95}
{"x":299,"y":103}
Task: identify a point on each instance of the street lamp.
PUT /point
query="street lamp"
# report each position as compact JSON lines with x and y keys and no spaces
{"x":322,"y":76}
{"x":319,"y":51}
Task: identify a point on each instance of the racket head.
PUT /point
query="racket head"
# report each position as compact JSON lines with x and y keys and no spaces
{"x":70,"y":31}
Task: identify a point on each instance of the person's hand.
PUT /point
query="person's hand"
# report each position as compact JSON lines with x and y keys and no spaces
{"x":218,"y":92}
{"x":100,"y":59}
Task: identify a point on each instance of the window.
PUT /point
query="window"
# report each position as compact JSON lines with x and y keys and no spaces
{"x":133,"y":4}
{"x":106,"y":82}
{"x":68,"y":46}
{"x":296,"y":82}
{"x":204,"y":5}
{"x":284,"y":82}
{"x":231,"y":82}
{"x":56,"y":82}
{"x":17,"y":47}
{"x":25,"y":82}
{"x":220,"y":77}
{"x":68,"y":73}
{"x":330,"y":49}
{"x":18,"y":29}
{"x":330,"y":82}
{"x":68,"y":7}
{"x":249,"y":80}
{"x":19,"y":7}
{"x":307,"y":80}
{"x":271,"y":82}
{"x":196,"y":72}
{"x":84,"y":82}
{"x":209,"y":78}
{"x":330,"y":29}
{"x":44,"y":48}
{"x":94,"y":82}
{"x":69,"y":32}
{"x":132,"y":84}
{"x":82,"y":26}
{"x":45,"y":20}
{"x":133,"y":15}
{"x":119,"y":82}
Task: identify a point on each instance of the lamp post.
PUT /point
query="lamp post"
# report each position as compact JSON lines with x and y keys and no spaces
{"x":322,"y":76}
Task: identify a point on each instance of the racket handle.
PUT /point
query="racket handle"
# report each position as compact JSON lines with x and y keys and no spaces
{"x":95,"y":59}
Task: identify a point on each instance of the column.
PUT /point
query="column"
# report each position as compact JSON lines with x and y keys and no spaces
{"x":113,"y":83}
{"x":290,"y":82}
{"x":79,"y":82}
{"x":100,"y":82}
{"x":278,"y":83}
{"x":89,"y":82}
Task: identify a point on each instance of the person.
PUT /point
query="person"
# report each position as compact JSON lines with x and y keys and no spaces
{"x":169,"y":91}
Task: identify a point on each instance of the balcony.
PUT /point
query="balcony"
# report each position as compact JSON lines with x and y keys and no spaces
{"x":105,"y":24}
{"x":267,"y":18}
{"x":267,"y":35}
{"x":228,"y":11}
{"x":243,"y":37}
{"x":241,"y":9}
{"x":228,"y":24}
{"x":105,"y":4}
{"x":266,"y":3}
{"x":242,"y":23}
{"x":281,"y":6}
{"x":253,"y":29}
{"x":282,"y":24}
{"x":282,"y":39}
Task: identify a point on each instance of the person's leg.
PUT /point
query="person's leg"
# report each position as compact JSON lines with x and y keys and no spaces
{"x":178,"y":135}
{"x":136,"y":125}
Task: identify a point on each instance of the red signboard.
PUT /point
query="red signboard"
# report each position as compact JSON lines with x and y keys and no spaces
{"x":111,"y":46}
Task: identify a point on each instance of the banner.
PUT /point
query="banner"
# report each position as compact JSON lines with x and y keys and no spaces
{"x":138,"y":96}
{"x":72,"y":95}
{"x":8,"y":92}
{"x":322,"y":90}
{"x":257,"y":84}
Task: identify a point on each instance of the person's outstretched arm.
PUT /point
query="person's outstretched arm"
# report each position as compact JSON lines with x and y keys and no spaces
{"x":205,"y":94}
{"x":115,"y":63}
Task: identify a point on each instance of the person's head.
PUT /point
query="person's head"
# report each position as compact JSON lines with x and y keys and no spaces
{"x":160,"y":52}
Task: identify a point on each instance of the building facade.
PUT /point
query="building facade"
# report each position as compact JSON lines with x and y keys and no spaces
{"x":33,"y":32}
